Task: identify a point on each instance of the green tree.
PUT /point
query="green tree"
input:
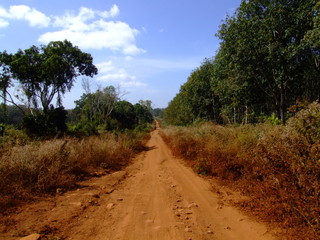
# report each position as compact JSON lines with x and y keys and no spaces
{"x":96,"y":108}
{"x":11,"y":115}
{"x":179,"y":112}
{"x":124,"y":114}
{"x":312,"y":41}
{"x":45,"y":72}
{"x":201,"y":97}
{"x":143,"y":114}
{"x":263,"y":44}
{"x":147,"y":104}
{"x":157,"y":112}
{"x":197,"y":100}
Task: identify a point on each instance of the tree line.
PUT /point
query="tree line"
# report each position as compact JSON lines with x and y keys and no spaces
{"x":267,"y":62}
{"x":32,"y":79}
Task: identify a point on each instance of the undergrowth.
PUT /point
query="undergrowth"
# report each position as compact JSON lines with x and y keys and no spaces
{"x":31,"y":168}
{"x":277,"y":166}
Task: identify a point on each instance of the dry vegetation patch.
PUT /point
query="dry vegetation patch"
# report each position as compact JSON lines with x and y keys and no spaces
{"x":56,"y":165}
{"x":278,"y":167}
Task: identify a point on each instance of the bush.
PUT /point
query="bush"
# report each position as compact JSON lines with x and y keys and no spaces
{"x":12,"y":137}
{"x":48,"y":124}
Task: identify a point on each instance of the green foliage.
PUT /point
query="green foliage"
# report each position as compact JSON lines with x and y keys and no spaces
{"x":143,"y":114}
{"x":44,"y":73}
{"x":178,"y":111}
{"x":157,"y":112}
{"x":195,"y":100}
{"x":96,"y":108}
{"x":12,"y":137}
{"x":103,"y":110}
{"x":46,"y":124}
{"x":10,"y":114}
{"x":268,"y":58}
{"x":48,"y":71}
{"x":273,"y":120}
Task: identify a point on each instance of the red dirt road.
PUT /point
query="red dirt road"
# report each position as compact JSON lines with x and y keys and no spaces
{"x":157,"y":197}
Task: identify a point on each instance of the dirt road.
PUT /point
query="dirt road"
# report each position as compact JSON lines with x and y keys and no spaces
{"x":157,"y":197}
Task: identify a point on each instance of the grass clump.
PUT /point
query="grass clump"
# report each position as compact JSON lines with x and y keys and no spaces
{"x":277,"y":166}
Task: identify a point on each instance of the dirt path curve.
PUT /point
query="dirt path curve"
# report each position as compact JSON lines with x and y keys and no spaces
{"x":157,"y":198}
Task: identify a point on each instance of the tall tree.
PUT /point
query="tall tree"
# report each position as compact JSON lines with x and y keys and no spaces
{"x":201,"y":98}
{"x":45,"y":72}
{"x":179,"y":111}
{"x":265,"y":40}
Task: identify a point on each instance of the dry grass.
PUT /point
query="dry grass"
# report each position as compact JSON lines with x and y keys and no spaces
{"x":44,"y":166}
{"x":277,"y":166}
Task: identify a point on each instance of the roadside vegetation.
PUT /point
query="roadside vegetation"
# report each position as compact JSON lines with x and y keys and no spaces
{"x":30,"y":168}
{"x":47,"y":160}
{"x":250,"y":115}
{"x":45,"y":149}
{"x":277,"y":167}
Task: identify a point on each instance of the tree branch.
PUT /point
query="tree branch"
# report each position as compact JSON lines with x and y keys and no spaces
{"x":10,"y":100}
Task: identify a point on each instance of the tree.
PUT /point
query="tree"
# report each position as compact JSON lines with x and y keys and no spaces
{"x":179,"y":112}
{"x":11,"y":115}
{"x":201,"y":97}
{"x":269,"y":58}
{"x":124,"y":114}
{"x":143,"y":114}
{"x":312,"y":41}
{"x":147,"y":104}
{"x":157,"y":112}
{"x":45,"y":72}
{"x":197,"y":100}
{"x":263,"y":42}
{"x":96,"y":108}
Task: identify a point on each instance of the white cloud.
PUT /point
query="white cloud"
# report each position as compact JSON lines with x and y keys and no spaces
{"x":132,"y":50}
{"x":108,"y":72}
{"x":114,"y":11}
{"x":4,"y":13}
{"x":23,"y":12}
{"x":88,"y":31}
{"x":169,"y":64}
{"x":128,"y":58}
{"x":132,"y":84}
{"x":121,"y":75}
{"x":105,"y":67}
{"x":144,"y":30}
{"x":75,"y":23}
{"x":3,"y":23}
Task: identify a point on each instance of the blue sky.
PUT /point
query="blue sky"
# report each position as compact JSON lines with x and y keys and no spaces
{"x":146,"y":47}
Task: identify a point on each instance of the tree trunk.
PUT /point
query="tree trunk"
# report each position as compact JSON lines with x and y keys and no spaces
{"x":246,"y":115}
{"x":283,"y":106}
